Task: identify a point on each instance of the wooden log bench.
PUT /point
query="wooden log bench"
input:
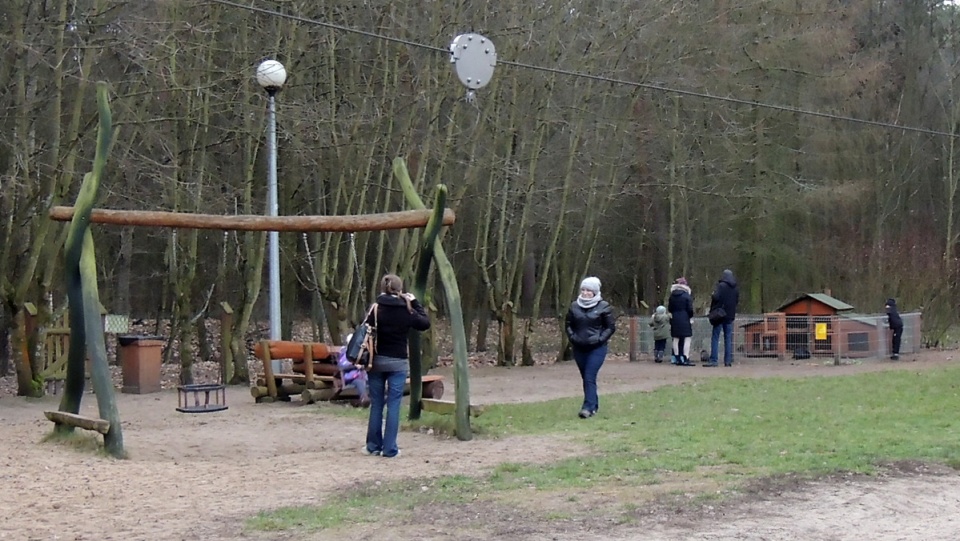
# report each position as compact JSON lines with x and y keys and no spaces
{"x":319,"y":353}
{"x":72,"y":419}
{"x":447,"y":407}
{"x":312,"y":381}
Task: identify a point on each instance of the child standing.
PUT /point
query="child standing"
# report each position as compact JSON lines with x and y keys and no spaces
{"x":660,"y":321}
{"x":351,"y":374}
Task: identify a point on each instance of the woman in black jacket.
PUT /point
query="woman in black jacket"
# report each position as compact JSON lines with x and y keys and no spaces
{"x":590,"y":324}
{"x":394,"y":314}
{"x":680,"y":306}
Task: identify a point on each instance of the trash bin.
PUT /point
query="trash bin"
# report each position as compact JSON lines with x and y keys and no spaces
{"x":140,"y":363}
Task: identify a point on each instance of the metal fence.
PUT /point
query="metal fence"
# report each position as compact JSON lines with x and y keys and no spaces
{"x":785,"y":336}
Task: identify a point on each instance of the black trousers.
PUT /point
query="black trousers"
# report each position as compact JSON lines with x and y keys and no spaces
{"x":897,"y":334}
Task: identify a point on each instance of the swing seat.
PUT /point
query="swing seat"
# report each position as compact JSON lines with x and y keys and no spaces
{"x":214,"y":398}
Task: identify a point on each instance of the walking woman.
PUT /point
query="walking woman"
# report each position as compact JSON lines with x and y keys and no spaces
{"x":590,"y":324}
{"x":393,"y":316}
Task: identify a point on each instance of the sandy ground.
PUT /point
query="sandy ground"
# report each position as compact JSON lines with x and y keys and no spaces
{"x":197,"y":477}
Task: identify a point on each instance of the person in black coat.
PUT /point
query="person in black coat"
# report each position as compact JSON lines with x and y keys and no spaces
{"x":393,"y":315}
{"x":590,"y":324}
{"x":680,"y":306}
{"x":723,"y":312}
{"x":896,"y":328}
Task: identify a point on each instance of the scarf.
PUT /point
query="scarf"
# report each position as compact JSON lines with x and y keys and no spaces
{"x":588,"y":303}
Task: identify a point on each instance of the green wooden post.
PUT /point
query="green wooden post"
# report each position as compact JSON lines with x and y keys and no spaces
{"x":452,"y":293}
{"x":86,"y":329}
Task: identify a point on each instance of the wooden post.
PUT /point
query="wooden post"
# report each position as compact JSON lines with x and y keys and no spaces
{"x":268,"y":369}
{"x":308,"y":366}
{"x":226,"y":341}
{"x":633,"y":339}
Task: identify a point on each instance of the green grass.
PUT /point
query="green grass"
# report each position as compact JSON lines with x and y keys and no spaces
{"x":726,"y":430}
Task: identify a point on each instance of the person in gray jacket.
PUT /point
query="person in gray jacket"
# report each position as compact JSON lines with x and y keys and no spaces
{"x":590,"y":324}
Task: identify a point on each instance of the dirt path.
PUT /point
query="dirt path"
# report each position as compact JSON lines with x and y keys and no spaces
{"x":199,"y":476}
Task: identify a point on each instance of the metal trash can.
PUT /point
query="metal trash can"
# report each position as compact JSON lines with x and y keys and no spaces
{"x":140,"y":358}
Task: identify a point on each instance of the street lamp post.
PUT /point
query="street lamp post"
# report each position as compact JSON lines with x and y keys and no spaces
{"x":271,"y":75}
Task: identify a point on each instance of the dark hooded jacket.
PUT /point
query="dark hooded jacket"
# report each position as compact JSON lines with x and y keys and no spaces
{"x":726,"y":295}
{"x":893,"y":316}
{"x":680,"y":306}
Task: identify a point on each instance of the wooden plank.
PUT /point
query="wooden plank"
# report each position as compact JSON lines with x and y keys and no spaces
{"x":447,"y":407}
{"x":72,"y":419}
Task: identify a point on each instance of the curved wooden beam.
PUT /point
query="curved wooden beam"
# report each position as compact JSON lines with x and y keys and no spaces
{"x":245,"y":222}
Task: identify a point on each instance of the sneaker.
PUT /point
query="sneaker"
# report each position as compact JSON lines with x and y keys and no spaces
{"x":394,"y":456}
{"x":894,"y":357}
{"x":584,"y":414}
{"x":368,"y":452}
{"x":709,"y":365}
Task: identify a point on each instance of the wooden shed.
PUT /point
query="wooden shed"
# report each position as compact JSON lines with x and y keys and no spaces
{"x":814,"y":324}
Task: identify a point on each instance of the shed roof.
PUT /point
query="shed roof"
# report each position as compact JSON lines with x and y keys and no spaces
{"x":836,"y":304}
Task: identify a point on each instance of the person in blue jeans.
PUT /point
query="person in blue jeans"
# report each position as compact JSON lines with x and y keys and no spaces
{"x":723,"y":312}
{"x":395,"y":314}
{"x":589,"y":325}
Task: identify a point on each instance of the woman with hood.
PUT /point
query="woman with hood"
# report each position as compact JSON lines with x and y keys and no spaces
{"x":723,"y":311}
{"x":589,"y":326}
{"x":680,"y":306}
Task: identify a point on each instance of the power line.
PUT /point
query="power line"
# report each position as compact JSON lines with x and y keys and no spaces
{"x":601,"y":78}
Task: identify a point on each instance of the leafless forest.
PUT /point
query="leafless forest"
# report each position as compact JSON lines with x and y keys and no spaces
{"x":804,"y":143}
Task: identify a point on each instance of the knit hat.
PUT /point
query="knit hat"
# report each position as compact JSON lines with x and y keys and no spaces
{"x":661,"y":309}
{"x":682,"y":281}
{"x":892,"y":302}
{"x":591,"y":283}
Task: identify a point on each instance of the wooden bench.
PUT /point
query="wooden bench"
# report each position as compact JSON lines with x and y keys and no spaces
{"x":447,"y":407}
{"x":72,"y":419}
{"x":313,"y":381}
{"x":273,"y":387}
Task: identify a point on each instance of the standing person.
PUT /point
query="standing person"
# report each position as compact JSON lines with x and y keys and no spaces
{"x":896,"y":327}
{"x":590,"y":324}
{"x":723,"y":312}
{"x":393,"y":316}
{"x":680,"y":306}
{"x":660,"y":321}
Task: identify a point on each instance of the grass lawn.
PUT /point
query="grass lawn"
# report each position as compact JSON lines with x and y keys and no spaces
{"x":710,"y":438}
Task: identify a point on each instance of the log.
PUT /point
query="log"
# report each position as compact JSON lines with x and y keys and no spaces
{"x":309,"y":396}
{"x":252,"y":222}
{"x":284,"y":391}
{"x":319,"y":368}
{"x":72,"y":419}
{"x":319,"y":382}
{"x":447,"y":407}
{"x":432,"y":388}
{"x":285,"y":349}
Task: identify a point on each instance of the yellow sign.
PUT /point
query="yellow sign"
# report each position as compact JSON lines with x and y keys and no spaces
{"x":821,"y":332}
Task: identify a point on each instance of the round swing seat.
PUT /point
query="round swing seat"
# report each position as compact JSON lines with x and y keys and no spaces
{"x":189,"y":400}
